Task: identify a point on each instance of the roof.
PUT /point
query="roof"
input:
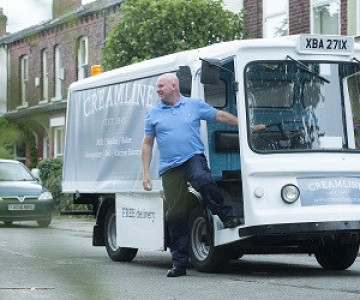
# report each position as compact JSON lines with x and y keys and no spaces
{"x":79,"y":12}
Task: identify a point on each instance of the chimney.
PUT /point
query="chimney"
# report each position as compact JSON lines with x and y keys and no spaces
{"x":3,"y":20}
{"x":61,"y":7}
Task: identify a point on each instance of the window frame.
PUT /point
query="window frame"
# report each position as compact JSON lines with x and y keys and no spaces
{"x":266,"y":17}
{"x":44,"y":75}
{"x":58,"y":73}
{"x":82,"y":57}
{"x":24,"y":78}
{"x":58,"y":141}
{"x":316,"y":3}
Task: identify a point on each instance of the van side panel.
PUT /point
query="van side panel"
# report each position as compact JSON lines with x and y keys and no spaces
{"x":105,"y":129}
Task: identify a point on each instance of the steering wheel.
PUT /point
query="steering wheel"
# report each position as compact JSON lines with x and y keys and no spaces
{"x":287,"y":138}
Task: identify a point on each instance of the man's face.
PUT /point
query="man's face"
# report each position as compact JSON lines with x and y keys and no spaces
{"x":165,"y":89}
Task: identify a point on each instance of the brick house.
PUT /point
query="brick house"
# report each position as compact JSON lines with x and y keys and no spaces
{"x":290,"y":17}
{"x":45,"y":59}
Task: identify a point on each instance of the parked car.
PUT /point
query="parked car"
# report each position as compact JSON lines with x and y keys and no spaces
{"x":22,"y":198}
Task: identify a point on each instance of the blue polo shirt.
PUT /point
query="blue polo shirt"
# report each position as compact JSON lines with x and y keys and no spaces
{"x":177,"y":130}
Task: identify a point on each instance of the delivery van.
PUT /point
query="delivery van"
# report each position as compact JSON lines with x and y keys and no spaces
{"x":296,"y":186}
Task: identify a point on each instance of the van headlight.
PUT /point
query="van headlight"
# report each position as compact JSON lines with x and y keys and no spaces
{"x":46,"y":196}
{"x":290,"y":193}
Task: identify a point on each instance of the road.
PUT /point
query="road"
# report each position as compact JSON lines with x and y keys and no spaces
{"x":59,"y":262}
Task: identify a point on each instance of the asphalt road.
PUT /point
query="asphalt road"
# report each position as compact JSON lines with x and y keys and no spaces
{"x":59,"y":262}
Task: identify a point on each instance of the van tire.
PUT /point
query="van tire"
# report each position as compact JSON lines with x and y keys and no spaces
{"x":336,"y":256}
{"x":204,"y":256}
{"x":114,"y":252}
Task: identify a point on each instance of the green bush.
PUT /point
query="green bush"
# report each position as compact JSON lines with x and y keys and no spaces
{"x":51,"y":175}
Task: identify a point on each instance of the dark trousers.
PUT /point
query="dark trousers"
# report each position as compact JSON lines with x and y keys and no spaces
{"x":175,"y":183}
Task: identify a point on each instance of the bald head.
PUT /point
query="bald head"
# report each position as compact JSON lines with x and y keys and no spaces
{"x":167,"y":87}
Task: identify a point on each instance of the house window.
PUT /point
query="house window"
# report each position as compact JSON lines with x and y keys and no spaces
{"x":275,"y":18}
{"x":59,"y":73}
{"x":45,"y":147}
{"x":83,"y":57}
{"x":325,"y":16}
{"x":58,"y":128}
{"x":44,"y":75}
{"x":58,"y":141}
{"x":24,"y":80}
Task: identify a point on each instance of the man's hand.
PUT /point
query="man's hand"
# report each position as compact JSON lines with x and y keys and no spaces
{"x":147,"y":182}
{"x":259,"y":127}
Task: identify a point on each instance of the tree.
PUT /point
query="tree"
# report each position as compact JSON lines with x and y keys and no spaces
{"x":152,"y":28}
{"x":9,"y":136}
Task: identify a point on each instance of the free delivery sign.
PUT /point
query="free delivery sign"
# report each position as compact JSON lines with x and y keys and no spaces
{"x":329,"y":190}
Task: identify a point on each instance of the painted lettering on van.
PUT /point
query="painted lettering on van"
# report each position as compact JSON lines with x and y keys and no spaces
{"x":130,"y":93}
{"x":334,"y":184}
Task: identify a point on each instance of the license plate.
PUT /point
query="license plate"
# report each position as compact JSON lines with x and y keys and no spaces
{"x":314,"y":44}
{"x":21,"y":206}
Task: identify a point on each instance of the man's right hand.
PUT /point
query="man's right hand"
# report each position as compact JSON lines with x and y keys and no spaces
{"x":147,"y":182}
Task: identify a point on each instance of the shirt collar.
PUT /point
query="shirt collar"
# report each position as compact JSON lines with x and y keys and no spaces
{"x":180,"y":102}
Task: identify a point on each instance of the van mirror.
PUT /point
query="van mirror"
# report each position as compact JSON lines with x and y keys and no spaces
{"x":210,"y":71}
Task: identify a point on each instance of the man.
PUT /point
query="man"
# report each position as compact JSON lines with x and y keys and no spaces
{"x":175,"y":123}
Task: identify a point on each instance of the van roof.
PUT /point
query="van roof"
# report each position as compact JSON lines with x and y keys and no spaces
{"x":171,"y":62}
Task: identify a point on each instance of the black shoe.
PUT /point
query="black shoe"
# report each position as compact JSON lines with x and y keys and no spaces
{"x":232,"y":222}
{"x":176,"y":271}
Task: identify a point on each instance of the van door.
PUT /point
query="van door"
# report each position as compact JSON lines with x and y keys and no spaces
{"x":223,"y":140}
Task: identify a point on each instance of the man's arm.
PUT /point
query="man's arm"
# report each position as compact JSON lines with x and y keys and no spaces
{"x":146,"y":155}
{"x":227,"y":118}
{"x":230,"y":119}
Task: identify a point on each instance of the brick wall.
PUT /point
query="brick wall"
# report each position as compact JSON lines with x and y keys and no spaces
{"x":61,"y":7}
{"x":67,"y":36}
{"x":344,"y":20}
{"x":253,"y":18}
{"x":299,"y":16}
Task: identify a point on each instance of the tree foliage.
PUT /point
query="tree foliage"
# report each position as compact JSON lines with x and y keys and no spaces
{"x":51,"y":174}
{"x":152,"y":28}
{"x":9,"y":136}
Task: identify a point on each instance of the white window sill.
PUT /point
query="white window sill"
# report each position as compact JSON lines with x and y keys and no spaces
{"x":44,"y":101}
{"x":24,"y":105}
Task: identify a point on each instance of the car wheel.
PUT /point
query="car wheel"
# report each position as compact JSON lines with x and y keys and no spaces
{"x":115,"y":253}
{"x":8,"y":223}
{"x":336,"y":256}
{"x":204,"y":256}
{"x":44,"y":223}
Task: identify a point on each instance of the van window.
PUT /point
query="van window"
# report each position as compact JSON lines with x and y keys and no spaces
{"x":215,"y":94}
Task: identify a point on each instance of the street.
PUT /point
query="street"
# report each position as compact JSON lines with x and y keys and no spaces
{"x":60,"y":262}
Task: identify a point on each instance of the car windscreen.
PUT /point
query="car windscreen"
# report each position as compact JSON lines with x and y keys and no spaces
{"x":14,"y":172}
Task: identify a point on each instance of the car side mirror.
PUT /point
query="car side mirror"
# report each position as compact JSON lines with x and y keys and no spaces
{"x":210,"y":71}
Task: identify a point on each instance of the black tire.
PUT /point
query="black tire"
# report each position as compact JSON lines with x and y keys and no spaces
{"x":204,"y":257}
{"x":44,"y":223}
{"x":8,"y":223}
{"x":337,"y":256}
{"x":114,"y":252}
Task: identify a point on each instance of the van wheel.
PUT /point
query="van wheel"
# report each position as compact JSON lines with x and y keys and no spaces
{"x":114,"y":252}
{"x":204,"y":257}
{"x":337,"y":256}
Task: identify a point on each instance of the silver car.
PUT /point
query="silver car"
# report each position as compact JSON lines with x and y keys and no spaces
{"x":22,"y":198}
